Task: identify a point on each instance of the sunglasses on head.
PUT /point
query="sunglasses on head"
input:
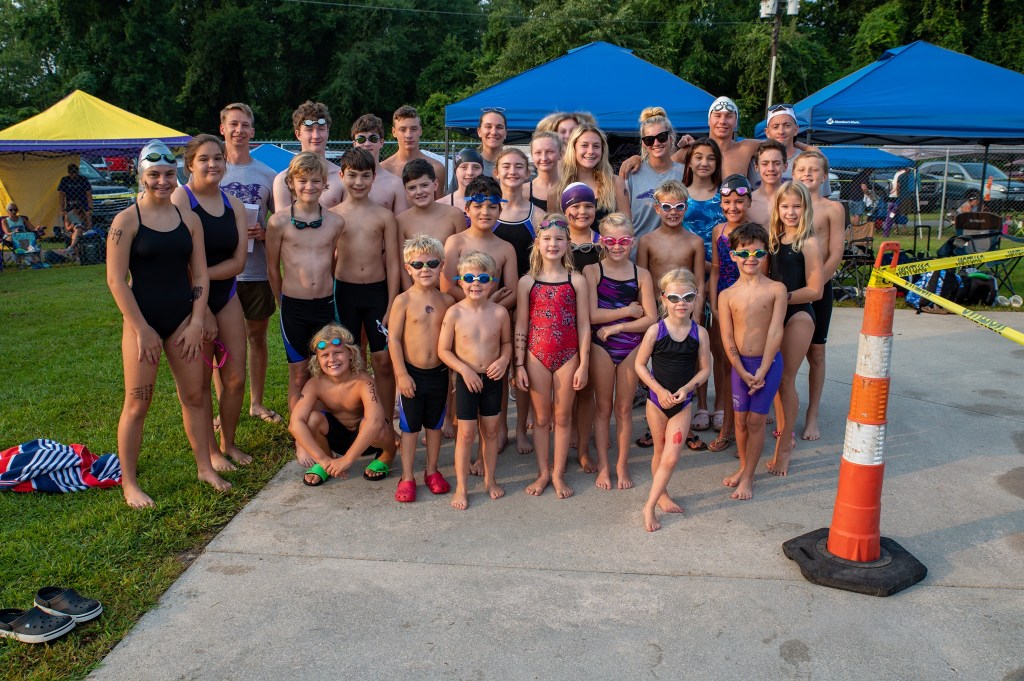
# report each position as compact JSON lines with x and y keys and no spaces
{"x":482,"y":198}
{"x":309,"y":122}
{"x":372,"y":138}
{"x":759,"y":253}
{"x":313,"y":224}
{"x":775,"y":108}
{"x":155,"y":156}
{"x":554,"y":222}
{"x":739,"y":191}
{"x":673,"y":206}
{"x":471,"y":278}
{"x":680,"y":298}
{"x":322,"y":345}
{"x":493,"y":109}
{"x":583,"y":248}
{"x":610,"y":241}
{"x":419,"y":264}
{"x":660,"y":138}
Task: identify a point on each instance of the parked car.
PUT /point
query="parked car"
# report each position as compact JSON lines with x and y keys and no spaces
{"x":960,"y":178}
{"x":121,"y":169}
{"x":107,"y":199}
{"x":98,"y":163}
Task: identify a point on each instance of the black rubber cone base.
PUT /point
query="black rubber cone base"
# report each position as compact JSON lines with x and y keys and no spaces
{"x":894,"y":571}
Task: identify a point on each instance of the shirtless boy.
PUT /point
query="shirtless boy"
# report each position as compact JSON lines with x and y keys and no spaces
{"x":365,"y":282}
{"x":811,"y":169}
{"x":407,"y":130}
{"x":387,"y":191}
{"x":771,"y":164}
{"x":352,"y":419}
{"x":425,"y":216}
{"x":312,"y":124}
{"x":422,"y":378}
{"x":751,"y":314}
{"x":303,"y":239}
{"x":476,"y":343}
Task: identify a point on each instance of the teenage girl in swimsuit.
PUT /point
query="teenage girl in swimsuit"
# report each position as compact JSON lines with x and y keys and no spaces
{"x":552,"y":347}
{"x":794,"y":258}
{"x":546,"y":152}
{"x":735,"y":193}
{"x":225,"y":235}
{"x":622,"y":306}
{"x":162,"y":250}
{"x":585,"y":160}
{"x":680,"y":356}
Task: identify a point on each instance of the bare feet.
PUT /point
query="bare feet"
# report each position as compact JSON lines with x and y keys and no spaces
{"x":811,"y":431}
{"x":587,"y":464}
{"x":215,"y":481}
{"x":732,"y":480}
{"x":477,"y":467}
{"x":238,"y":456}
{"x":604,"y":479}
{"x":523,"y":444}
{"x":448,"y":430}
{"x":561,"y":489}
{"x":651,"y":519}
{"x":744,"y":490}
{"x":496,"y":491}
{"x":460,"y":500}
{"x":666,"y":504}
{"x":502,"y":442}
{"x":780,"y":464}
{"x":220,"y":463}
{"x":539,"y":485}
{"x":136,"y":498}
{"x":304,"y":459}
{"x":625,"y":482}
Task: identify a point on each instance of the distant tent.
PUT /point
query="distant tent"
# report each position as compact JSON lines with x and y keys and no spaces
{"x":273,"y":156}
{"x":579,"y":81}
{"x":910,"y":96}
{"x":34,"y":153}
{"x":856,"y":158}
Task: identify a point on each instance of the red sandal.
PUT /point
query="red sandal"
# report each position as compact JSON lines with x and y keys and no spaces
{"x":436,"y":483}
{"x":406,"y":491}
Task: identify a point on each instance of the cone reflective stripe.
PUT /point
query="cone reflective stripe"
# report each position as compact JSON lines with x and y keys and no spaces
{"x":854,"y":533}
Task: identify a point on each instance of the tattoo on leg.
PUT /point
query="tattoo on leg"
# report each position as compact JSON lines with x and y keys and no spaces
{"x":677,"y":438}
{"x":143,"y":393}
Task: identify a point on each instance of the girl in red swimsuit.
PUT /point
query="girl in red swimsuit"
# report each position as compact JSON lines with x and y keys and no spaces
{"x":552,"y":347}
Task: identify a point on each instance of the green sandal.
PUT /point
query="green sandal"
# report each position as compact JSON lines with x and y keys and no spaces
{"x":379,"y":467}
{"x":317,"y":470}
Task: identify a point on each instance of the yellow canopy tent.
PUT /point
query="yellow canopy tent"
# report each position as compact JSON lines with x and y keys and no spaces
{"x":34,"y":154}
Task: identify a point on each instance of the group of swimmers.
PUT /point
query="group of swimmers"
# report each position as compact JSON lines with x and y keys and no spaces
{"x":568,"y":283}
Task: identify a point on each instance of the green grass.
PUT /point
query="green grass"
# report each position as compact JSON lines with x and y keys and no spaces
{"x":62,"y":379}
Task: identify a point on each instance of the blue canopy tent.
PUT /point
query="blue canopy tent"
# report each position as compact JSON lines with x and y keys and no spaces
{"x":273,"y":156}
{"x":542,"y":90}
{"x":857,"y":158}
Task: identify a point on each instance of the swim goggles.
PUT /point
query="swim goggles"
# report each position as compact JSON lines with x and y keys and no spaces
{"x":673,"y":206}
{"x":739,"y":191}
{"x":470,"y":278}
{"x":313,"y":224}
{"x":583,"y":248}
{"x":553,"y":222}
{"x":675,"y":298}
{"x":759,"y":253}
{"x":309,"y":122}
{"x":660,"y":138}
{"x":493,"y":109}
{"x":372,"y":138}
{"x":723,"y":105}
{"x":156,"y":156}
{"x":481,"y":198}
{"x":610,"y":241}
{"x":419,"y":264}
{"x":776,"y":108}
{"x":322,"y":345}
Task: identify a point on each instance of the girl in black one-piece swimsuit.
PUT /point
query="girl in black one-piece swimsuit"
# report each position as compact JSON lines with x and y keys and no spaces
{"x":794,"y":258}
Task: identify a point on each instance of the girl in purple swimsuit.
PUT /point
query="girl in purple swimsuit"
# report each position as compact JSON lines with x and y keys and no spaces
{"x":622,"y":306}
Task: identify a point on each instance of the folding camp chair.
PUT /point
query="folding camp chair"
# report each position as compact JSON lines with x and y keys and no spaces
{"x":858,"y":258}
{"x":26,"y":251}
{"x":982,"y":233}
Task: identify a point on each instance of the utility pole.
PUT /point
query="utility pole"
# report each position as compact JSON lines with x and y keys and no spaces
{"x":773,"y":9}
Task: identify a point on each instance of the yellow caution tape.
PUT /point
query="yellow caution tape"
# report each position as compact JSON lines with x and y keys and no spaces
{"x":957,"y":261}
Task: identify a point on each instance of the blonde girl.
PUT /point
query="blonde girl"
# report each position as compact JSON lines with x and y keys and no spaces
{"x":546,"y":153}
{"x":657,"y":167}
{"x":552,"y":347}
{"x":794,"y":258}
{"x":678,"y":350}
{"x":622,"y":307}
{"x":585,"y":159}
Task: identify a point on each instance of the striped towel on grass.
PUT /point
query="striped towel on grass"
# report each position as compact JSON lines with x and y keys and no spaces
{"x":48,"y":466}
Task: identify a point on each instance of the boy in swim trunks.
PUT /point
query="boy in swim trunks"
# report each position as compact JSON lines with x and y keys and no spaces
{"x":352,"y":419}
{"x":425,"y":216}
{"x":422,"y":378}
{"x":365,"y":282}
{"x":303,"y":238}
{"x":751,"y":314}
{"x":476,"y":342}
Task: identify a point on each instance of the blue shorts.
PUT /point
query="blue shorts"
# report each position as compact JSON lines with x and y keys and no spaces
{"x":761,"y":401}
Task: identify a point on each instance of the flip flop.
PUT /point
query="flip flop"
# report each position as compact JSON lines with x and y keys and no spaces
{"x":701,"y":420}
{"x":379,"y":467}
{"x":34,"y":626}
{"x":721,"y":443}
{"x":406,"y":491}
{"x":56,"y":601}
{"x":436,"y":483}
{"x":696,"y":444}
{"x":317,"y":470}
{"x":646,"y":440}
{"x":269,"y":416}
